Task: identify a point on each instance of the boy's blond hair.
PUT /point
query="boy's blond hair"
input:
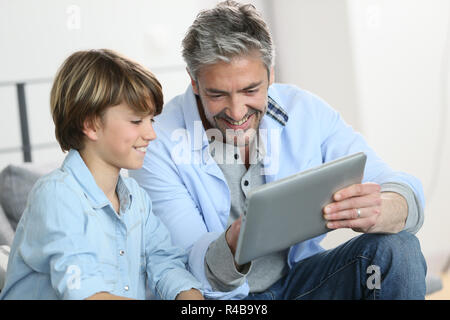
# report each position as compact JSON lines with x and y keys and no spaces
{"x":89,"y":82}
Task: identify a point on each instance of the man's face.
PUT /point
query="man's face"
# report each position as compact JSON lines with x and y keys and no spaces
{"x":234,"y":97}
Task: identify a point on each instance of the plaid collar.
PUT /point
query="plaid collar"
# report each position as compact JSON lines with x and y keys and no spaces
{"x":276,"y":112}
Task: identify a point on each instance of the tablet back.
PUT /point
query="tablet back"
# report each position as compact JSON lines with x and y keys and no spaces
{"x":288,"y":211}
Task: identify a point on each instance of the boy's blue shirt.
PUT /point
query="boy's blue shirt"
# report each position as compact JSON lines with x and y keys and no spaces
{"x":71,"y":244}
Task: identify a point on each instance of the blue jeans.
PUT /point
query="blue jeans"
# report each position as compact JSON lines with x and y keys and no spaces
{"x":370,"y":266}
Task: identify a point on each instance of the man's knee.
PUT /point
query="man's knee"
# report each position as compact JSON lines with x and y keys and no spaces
{"x":403,"y":245}
{"x":401,"y":261}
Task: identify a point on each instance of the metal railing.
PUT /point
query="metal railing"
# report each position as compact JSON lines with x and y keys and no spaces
{"x":21,"y":85}
{"x":23,"y":115}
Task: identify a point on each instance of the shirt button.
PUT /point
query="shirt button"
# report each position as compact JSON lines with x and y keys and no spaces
{"x":121,"y":252}
{"x":246,"y":183}
{"x":126,"y":288}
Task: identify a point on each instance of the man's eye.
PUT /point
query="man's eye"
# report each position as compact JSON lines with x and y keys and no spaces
{"x":136,"y":122}
{"x":252,"y":91}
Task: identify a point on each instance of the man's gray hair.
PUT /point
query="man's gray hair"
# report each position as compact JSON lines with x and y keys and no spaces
{"x":227,"y":31}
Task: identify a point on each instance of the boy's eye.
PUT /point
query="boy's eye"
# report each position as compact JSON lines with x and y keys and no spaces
{"x":138,"y":122}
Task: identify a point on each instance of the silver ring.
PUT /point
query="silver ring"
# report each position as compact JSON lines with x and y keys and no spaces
{"x":358,"y":211}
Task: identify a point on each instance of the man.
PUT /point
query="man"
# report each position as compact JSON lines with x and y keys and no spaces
{"x":235,"y":129}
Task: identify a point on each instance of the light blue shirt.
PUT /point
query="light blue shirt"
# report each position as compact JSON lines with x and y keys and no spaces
{"x":70,"y":243}
{"x":190,"y":193}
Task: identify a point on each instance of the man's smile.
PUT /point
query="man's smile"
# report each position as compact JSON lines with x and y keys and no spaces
{"x":238,"y":125}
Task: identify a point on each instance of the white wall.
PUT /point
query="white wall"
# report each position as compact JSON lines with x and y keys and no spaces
{"x":314,"y":51}
{"x":401,"y":59}
{"x":36,"y":37}
{"x":380,"y":63}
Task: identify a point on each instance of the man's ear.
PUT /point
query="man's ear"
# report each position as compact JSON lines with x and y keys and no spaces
{"x":193,"y":83}
{"x":91,"y":128}
{"x":272,"y":76}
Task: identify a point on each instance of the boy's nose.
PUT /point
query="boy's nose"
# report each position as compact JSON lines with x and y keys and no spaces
{"x":149,"y":134}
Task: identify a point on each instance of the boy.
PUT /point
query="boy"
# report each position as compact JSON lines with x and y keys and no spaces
{"x":87,"y":232}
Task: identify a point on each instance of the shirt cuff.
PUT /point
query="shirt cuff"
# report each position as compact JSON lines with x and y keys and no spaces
{"x":85,"y":288}
{"x":415,"y":218}
{"x":176,"y":281}
{"x":220,"y":268}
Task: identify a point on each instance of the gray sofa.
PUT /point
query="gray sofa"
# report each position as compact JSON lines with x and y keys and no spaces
{"x":16,"y":183}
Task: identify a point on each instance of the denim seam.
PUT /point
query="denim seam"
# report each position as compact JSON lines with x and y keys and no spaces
{"x":331,"y":275}
{"x":272,"y":294}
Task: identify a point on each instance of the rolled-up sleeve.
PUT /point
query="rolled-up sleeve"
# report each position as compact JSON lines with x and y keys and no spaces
{"x":166,"y":264}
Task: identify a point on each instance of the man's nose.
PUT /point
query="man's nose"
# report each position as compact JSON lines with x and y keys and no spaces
{"x":237,"y":110}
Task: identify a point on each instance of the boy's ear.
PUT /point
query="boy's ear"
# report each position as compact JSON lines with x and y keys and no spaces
{"x":91,"y":128}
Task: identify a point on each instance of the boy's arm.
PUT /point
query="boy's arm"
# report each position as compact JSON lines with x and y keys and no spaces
{"x":166,"y":264}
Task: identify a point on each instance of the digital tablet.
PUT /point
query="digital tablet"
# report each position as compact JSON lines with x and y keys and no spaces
{"x":288,"y":211}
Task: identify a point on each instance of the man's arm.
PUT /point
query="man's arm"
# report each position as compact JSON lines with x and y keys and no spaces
{"x":380,"y":212}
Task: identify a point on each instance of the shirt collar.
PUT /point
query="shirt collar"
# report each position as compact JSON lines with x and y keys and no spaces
{"x":74,"y":164}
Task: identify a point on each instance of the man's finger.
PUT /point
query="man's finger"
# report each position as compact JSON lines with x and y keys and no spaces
{"x":357,"y":190}
{"x":355,"y":224}
{"x":367,"y":201}
{"x":232,"y":234}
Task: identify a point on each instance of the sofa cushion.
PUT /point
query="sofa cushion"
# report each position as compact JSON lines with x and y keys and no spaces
{"x":6,"y":230}
{"x":4,"y":254}
{"x":15,"y":185}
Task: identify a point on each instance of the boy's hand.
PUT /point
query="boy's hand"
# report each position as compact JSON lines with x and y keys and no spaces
{"x":192,"y":294}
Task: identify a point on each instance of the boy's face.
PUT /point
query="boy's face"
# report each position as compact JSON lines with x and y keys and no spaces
{"x":234,"y":97}
{"x":123,"y":137}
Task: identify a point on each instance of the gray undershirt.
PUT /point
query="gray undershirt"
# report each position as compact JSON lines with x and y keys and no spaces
{"x":263,"y":272}
{"x":220,"y":268}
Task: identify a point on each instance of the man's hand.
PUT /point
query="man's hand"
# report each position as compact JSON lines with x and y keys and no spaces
{"x":232,"y":235}
{"x":379,"y":212}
